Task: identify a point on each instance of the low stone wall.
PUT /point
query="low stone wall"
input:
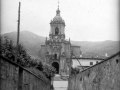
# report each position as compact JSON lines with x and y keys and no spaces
{"x":102,"y":76}
{"x":15,"y":77}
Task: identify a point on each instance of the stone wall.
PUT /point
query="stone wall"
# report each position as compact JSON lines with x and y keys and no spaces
{"x":15,"y":77}
{"x":102,"y":76}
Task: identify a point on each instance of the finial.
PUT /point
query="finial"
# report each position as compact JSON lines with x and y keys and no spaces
{"x":58,"y":11}
{"x":58,"y":3}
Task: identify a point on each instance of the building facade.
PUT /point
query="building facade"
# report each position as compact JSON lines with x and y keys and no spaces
{"x":83,"y":63}
{"x":57,"y":50}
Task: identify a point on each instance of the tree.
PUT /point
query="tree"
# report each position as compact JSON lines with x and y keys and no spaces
{"x":40,"y":66}
{"x":22,"y":57}
{"x":49,"y":71}
{"x":74,"y":70}
{"x":8,"y":50}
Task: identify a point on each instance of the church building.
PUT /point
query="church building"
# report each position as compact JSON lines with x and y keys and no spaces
{"x":57,"y":51}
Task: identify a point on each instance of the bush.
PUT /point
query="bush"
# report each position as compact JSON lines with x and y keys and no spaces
{"x":74,"y":70}
{"x":8,"y":50}
{"x":40,"y":66}
{"x":49,"y":71}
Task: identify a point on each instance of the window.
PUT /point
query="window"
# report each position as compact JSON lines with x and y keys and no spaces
{"x":91,"y":63}
{"x":56,"y":31}
{"x":96,"y":62}
{"x":55,"y":56}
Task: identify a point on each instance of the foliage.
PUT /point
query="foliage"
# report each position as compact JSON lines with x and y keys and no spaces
{"x":22,"y":57}
{"x":8,"y":50}
{"x":74,"y":70}
{"x":40,"y":66}
{"x":49,"y":71}
{"x":32,"y":63}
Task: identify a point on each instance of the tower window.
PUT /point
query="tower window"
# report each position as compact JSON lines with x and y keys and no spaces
{"x":56,"y":31}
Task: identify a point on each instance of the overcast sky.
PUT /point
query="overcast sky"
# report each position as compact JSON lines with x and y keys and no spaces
{"x":86,"y":20}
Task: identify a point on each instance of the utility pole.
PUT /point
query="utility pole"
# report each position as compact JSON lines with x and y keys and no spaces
{"x":18,"y":32}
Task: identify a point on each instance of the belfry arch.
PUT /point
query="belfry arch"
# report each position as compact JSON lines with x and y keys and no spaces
{"x":56,"y":31}
{"x":56,"y":66}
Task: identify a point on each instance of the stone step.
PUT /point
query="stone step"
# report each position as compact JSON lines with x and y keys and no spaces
{"x":60,"y":84}
{"x":57,"y":78}
{"x":60,"y":78}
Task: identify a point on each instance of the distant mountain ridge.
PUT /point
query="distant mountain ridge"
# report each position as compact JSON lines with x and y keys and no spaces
{"x":98,"y":48}
{"x":29,"y":40}
{"x":33,"y":42}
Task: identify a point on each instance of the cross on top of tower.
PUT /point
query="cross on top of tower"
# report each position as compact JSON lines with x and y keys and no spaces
{"x":58,"y":11}
{"x":58,"y":3}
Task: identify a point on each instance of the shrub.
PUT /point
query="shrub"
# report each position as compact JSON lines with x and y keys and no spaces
{"x":8,"y":50}
{"x":74,"y":70}
{"x":49,"y":71}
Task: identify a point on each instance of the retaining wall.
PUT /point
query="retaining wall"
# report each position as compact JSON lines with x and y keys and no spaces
{"x":15,"y":77}
{"x":102,"y":76}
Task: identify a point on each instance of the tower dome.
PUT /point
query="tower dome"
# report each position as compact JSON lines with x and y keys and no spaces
{"x":58,"y":18}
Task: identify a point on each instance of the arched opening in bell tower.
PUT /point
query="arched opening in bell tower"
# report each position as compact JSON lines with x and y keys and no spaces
{"x":56,"y":66}
{"x":56,"y":31}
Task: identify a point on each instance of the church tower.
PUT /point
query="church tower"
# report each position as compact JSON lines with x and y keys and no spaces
{"x":57,"y":50}
{"x":57,"y":25}
{"x":59,"y":47}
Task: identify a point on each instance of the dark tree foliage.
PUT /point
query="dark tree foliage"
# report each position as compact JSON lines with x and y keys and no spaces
{"x":33,"y":63}
{"x":40,"y":66}
{"x":23,"y":58}
{"x":74,"y":70}
{"x":49,"y":71}
{"x":8,"y":50}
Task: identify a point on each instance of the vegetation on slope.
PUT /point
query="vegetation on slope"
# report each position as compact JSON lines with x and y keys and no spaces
{"x":8,"y":50}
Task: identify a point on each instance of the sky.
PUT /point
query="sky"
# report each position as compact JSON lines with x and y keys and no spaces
{"x":86,"y":20}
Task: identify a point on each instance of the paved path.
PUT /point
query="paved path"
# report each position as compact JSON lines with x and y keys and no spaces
{"x":59,"y":84}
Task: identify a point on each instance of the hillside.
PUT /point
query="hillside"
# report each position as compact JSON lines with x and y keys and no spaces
{"x":99,"y":48}
{"x":29,"y":40}
{"x":32,"y":43}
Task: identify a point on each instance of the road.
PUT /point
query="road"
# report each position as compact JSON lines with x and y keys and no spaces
{"x":59,"y":84}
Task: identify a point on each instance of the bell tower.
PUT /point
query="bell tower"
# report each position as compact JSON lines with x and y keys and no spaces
{"x":57,"y":25}
{"x":59,"y":49}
